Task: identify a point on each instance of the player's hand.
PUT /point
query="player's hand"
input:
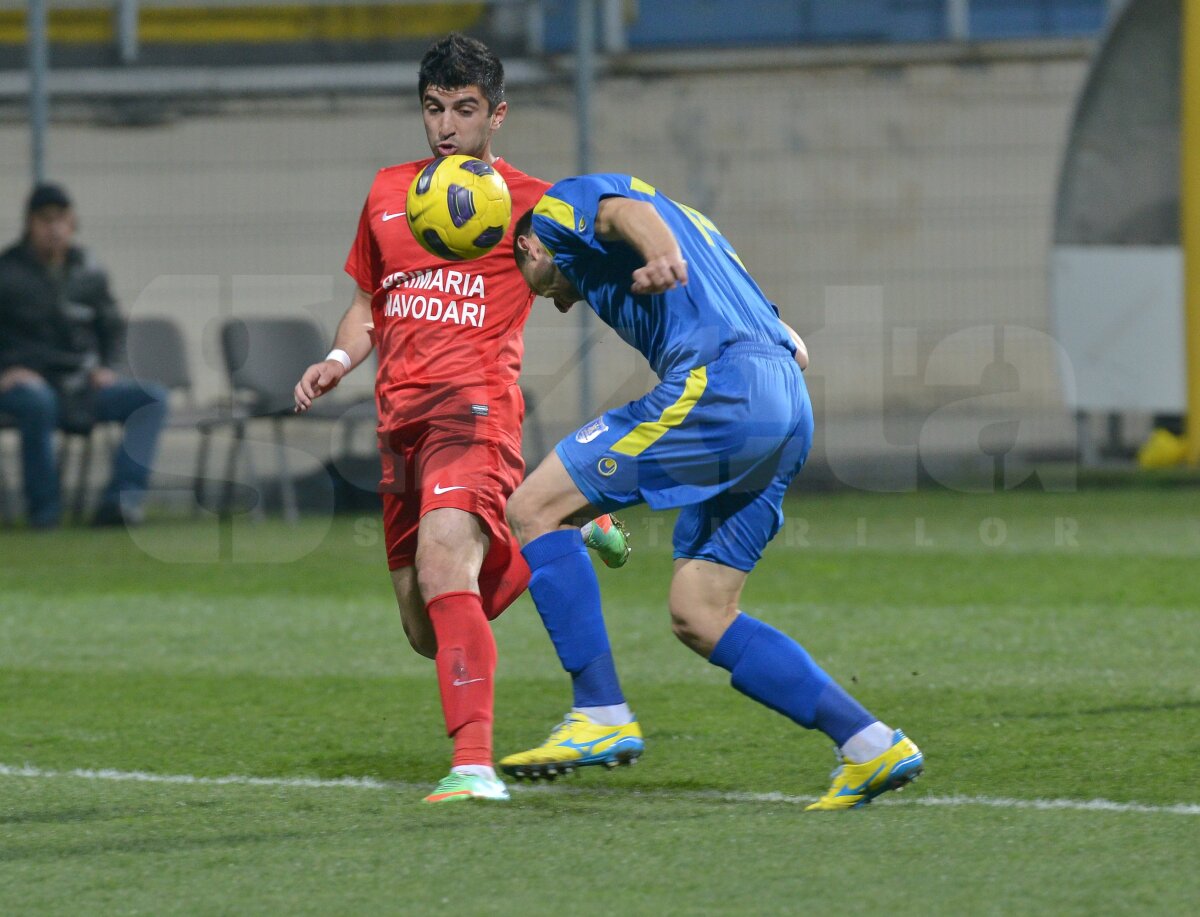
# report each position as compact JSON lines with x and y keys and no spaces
{"x":316,"y":381}
{"x":660,"y":274}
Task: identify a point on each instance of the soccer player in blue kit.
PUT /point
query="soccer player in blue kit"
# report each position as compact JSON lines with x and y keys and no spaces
{"x":720,"y":437}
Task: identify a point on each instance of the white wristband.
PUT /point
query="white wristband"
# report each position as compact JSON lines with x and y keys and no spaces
{"x":341,"y":356}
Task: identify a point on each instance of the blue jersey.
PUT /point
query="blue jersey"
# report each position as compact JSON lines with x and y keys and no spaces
{"x":682,"y":328}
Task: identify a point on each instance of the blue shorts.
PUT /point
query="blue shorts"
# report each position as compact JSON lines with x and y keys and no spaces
{"x":722,"y":441}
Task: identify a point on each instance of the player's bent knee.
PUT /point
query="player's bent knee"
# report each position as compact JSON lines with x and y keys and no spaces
{"x":522,"y":519}
{"x":438,"y":577}
{"x":442,"y":571}
{"x":699,"y":627}
{"x":530,"y":515}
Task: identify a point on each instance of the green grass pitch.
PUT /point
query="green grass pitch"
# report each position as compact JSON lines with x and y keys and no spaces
{"x":1042,"y":649}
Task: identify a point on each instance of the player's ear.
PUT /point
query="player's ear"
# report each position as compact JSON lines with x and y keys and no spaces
{"x":499,"y":113}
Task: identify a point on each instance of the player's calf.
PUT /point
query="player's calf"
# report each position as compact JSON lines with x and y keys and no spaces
{"x":703,"y":603}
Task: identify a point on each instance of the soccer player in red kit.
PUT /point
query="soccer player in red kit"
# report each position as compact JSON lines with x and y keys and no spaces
{"x":449,"y":341}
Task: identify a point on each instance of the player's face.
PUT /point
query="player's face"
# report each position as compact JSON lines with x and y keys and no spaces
{"x":51,"y":231}
{"x":544,"y":278}
{"x":457,"y":121}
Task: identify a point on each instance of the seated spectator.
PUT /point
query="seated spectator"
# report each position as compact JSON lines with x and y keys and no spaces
{"x":60,"y":333}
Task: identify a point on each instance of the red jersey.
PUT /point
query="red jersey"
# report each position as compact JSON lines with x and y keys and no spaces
{"x":448,"y":333}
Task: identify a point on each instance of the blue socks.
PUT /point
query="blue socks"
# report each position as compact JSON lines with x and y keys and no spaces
{"x":775,"y":670}
{"x":765,"y":664}
{"x":567,"y":595}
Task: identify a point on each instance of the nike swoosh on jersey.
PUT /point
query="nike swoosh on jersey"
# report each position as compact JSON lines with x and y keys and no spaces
{"x":391,"y":216}
{"x":458,"y":683}
{"x":439,"y":489}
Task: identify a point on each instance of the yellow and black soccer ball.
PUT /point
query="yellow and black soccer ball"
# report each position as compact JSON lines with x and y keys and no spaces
{"x":458,"y":208}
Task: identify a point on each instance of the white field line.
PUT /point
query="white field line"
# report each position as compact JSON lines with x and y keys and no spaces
{"x":358,"y":783}
{"x":369,"y":783}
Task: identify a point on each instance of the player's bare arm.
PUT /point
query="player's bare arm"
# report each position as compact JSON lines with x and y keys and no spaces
{"x":638,"y":224}
{"x":801,"y":347}
{"x":353,"y":337}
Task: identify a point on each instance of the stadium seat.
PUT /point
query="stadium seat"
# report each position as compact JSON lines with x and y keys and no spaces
{"x":264,"y":358}
{"x":71,"y":437}
{"x":83,"y":438}
{"x":6,"y":513}
{"x":155,"y":351}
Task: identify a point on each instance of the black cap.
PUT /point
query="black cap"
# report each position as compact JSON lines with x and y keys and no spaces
{"x":47,"y":195}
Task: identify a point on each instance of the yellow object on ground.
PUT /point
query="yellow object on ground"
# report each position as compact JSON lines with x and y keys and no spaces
{"x":1162,"y":450}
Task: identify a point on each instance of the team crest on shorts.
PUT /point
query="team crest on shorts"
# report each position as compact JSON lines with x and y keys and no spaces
{"x":607,"y":466}
{"x":591,"y":431}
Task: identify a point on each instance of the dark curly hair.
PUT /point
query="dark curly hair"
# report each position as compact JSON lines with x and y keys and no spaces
{"x":457,"y":61}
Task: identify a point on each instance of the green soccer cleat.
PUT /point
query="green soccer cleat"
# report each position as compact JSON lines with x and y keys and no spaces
{"x":577,"y":742}
{"x":608,"y":537}
{"x":463,"y":787}
{"x":855,"y":785}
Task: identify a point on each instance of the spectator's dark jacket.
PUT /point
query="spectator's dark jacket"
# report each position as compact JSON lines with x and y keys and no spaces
{"x":56,"y":327}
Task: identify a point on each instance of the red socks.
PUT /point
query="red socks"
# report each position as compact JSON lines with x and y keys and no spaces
{"x":501,"y":586}
{"x":466,"y":668}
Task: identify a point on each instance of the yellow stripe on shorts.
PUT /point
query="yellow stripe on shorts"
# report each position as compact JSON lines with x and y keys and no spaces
{"x":645,"y":435}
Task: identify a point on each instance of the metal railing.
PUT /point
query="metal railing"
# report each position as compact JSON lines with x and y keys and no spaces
{"x":39,"y":97}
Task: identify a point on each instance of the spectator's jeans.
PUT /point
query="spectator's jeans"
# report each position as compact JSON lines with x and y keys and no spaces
{"x":142,"y":408}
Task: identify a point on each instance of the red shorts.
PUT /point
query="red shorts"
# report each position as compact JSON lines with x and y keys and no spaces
{"x":432,"y":466}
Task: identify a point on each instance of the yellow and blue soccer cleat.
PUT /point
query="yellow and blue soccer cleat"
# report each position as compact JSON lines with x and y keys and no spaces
{"x":855,"y":785}
{"x":608,"y":537}
{"x":577,"y":742}
{"x":463,"y":787}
